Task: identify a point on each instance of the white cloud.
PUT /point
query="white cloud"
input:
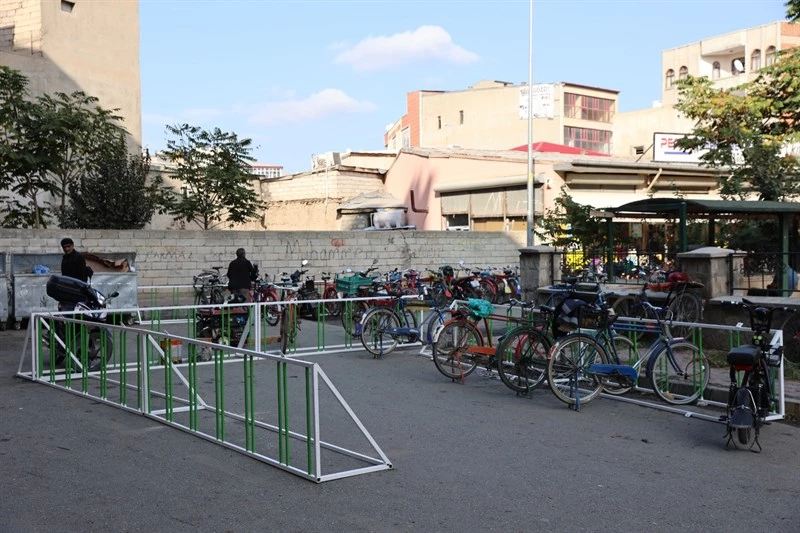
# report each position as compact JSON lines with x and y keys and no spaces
{"x":426,"y":42}
{"x":319,"y":105}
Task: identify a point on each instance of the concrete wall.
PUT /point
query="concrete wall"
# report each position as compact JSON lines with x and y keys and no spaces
{"x":94,"y":48}
{"x":173,"y":257}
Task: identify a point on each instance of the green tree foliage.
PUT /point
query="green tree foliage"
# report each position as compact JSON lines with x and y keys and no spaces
{"x":793,"y":10}
{"x":115,"y":194}
{"x":748,"y":128}
{"x":26,"y":154}
{"x":47,"y":145}
{"x":570,"y":223}
{"x":81,"y":130}
{"x":213,"y":167}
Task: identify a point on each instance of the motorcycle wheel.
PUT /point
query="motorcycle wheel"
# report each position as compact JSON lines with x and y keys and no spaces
{"x":273,"y":311}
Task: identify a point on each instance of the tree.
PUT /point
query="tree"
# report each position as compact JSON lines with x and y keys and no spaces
{"x":115,"y":193}
{"x":81,"y":129}
{"x":793,"y":10}
{"x":27,"y":154}
{"x":570,"y":223}
{"x":213,"y":166}
{"x":748,"y":128}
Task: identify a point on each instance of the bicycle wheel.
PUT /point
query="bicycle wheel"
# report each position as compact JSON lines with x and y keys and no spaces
{"x":375,"y":331}
{"x":629,"y":306}
{"x":567,"y":369}
{"x":686,"y":307}
{"x":273,"y":313}
{"x":522,"y":358}
{"x":679,"y":373}
{"x":489,"y":290}
{"x":791,"y":339}
{"x":333,"y":307}
{"x":288,"y":328}
{"x":351,"y":316}
{"x":451,"y":349}
{"x":627,"y":354}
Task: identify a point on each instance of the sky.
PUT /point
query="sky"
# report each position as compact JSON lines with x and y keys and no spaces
{"x":305,"y":77}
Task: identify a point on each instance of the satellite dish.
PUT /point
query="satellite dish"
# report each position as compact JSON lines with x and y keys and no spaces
{"x":738,"y":65}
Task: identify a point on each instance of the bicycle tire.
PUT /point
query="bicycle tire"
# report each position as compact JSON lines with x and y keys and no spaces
{"x":791,"y":339}
{"x":288,"y":329}
{"x":522,"y":359}
{"x":333,"y":307}
{"x":374,"y":336}
{"x":566,"y":370}
{"x":629,"y":307}
{"x":450,"y":349}
{"x":686,"y":307}
{"x":489,"y":290}
{"x":272,"y":312}
{"x":627,"y":354}
{"x":679,"y":373}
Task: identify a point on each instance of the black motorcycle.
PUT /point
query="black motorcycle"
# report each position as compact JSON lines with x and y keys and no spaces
{"x":75,"y":295}
{"x":306,"y":290}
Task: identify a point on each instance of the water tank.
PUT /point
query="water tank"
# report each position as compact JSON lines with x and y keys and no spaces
{"x":389,"y":218}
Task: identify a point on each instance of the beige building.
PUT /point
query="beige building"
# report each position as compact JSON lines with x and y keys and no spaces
{"x":728,"y":60}
{"x":492,"y":115}
{"x":72,"y":45}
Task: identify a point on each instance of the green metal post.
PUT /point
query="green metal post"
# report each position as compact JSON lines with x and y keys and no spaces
{"x":321,"y":316}
{"x":219,"y":387}
{"x":280,"y":384}
{"x":123,"y":367}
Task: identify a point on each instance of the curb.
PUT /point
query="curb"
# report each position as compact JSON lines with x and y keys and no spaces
{"x":717,"y":393}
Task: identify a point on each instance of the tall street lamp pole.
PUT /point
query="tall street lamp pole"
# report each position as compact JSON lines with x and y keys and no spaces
{"x":531,"y":197}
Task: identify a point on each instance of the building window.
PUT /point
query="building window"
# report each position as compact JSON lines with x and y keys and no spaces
{"x":769,"y":58}
{"x":461,"y":117}
{"x":588,"y":107}
{"x":683,"y":73}
{"x":755,"y":60}
{"x":67,"y":6}
{"x":737,"y":66}
{"x":458,"y":222}
{"x":588,"y":139}
{"x":715,"y":70}
{"x":669,"y":79}
{"x":406,"y":137}
{"x":439,"y":118}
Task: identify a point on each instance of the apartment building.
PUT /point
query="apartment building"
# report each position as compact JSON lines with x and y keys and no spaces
{"x":266,"y":170}
{"x":728,"y":60}
{"x":77,"y":45}
{"x":492,"y":115}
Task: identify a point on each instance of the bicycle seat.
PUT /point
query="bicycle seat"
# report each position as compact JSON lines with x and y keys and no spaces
{"x":744,"y":356}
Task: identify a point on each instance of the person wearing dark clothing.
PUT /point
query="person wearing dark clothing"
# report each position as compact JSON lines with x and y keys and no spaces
{"x":73,"y":264}
{"x":241,"y":274}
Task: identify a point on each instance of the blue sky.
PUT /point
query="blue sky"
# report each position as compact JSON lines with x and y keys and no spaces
{"x":302,"y":77}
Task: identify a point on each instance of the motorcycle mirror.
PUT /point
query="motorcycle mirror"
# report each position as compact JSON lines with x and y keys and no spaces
{"x":375,"y":261}
{"x":461,"y":262}
{"x":304,"y":262}
{"x":348,"y":270}
{"x":113,"y":294}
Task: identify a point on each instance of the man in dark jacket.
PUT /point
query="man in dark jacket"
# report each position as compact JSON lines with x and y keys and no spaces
{"x":241,"y":274}
{"x":73,"y":264}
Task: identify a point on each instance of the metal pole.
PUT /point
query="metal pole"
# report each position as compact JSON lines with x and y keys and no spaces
{"x":531,"y":196}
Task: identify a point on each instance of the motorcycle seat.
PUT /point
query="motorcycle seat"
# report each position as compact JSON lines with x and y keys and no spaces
{"x":746,"y":355}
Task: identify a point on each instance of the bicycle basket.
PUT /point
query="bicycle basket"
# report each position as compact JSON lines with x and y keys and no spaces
{"x":349,"y":285}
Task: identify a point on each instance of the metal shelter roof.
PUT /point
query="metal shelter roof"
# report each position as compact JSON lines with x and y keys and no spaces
{"x":658,"y":207}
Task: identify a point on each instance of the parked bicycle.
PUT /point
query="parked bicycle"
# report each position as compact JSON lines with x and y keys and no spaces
{"x":752,"y":398}
{"x":209,"y":287}
{"x":384,"y":327}
{"x":590,"y":360}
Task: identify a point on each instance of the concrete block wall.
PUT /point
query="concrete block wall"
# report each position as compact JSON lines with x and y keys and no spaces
{"x":173,"y":257}
{"x":340,"y":186}
{"x":21,"y":25}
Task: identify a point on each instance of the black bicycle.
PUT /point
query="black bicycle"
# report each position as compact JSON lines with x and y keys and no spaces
{"x":751,"y":399}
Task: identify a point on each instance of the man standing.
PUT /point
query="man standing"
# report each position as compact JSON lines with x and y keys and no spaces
{"x":73,"y":264}
{"x":241,"y":274}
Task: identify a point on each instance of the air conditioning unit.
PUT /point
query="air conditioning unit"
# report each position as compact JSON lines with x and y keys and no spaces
{"x":326,"y":160}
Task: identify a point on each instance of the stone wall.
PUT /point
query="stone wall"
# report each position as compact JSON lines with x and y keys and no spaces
{"x":173,"y":257}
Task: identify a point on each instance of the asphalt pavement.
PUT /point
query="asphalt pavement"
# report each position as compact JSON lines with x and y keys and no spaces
{"x":467,"y":457}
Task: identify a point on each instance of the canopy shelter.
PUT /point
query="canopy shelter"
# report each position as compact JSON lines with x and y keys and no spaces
{"x":681,"y":209}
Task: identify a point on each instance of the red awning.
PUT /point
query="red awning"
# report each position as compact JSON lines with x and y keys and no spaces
{"x":558,"y":149}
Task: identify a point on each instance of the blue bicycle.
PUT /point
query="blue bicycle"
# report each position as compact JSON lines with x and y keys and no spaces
{"x":383,"y":328}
